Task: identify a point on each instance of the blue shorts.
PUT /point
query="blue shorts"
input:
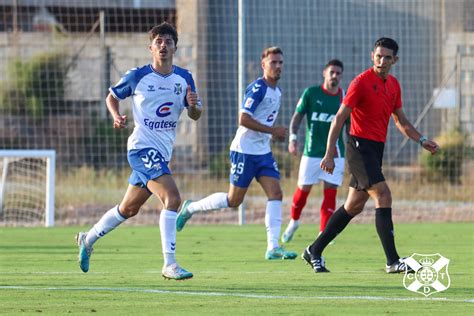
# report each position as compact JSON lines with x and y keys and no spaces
{"x":245,"y":167}
{"x":147,"y":164}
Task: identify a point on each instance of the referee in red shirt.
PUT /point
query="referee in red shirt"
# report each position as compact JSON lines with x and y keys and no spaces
{"x":373,"y":96}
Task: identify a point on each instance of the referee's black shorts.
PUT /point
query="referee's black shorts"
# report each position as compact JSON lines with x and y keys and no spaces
{"x":364,"y":158}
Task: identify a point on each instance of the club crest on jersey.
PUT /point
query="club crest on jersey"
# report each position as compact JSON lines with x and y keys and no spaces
{"x":164,"y":109}
{"x":431,"y":274}
{"x":178,"y":89}
{"x":271,"y":117}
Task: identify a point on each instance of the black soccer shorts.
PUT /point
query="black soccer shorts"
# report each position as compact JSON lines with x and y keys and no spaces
{"x":364,"y":158}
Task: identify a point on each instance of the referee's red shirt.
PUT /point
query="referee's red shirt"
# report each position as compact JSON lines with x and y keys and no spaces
{"x":372,"y":101}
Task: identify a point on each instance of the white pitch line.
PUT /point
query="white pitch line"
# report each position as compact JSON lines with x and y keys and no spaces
{"x":242,"y":295}
{"x":50,"y":273}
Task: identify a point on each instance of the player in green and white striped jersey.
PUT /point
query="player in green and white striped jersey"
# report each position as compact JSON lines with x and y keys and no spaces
{"x":319,"y":104}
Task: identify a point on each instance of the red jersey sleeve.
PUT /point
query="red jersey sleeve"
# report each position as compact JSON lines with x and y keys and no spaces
{"x":353,"y":95}
{"x":398,"y":101}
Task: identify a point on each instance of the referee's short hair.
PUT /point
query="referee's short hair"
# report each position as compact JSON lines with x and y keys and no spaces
{"x":387,"y":43}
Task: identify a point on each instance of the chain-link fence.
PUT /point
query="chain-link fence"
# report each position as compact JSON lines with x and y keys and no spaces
{"x":58,"y":59}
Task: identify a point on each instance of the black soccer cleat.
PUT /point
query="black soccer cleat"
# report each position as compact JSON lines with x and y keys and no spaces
{"x":399,"y":266}
{"x":317,"y":263}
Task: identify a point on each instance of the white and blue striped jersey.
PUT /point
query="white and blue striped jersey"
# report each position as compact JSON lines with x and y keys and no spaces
{"x":262,"y":103}
{"x":157,"y":103}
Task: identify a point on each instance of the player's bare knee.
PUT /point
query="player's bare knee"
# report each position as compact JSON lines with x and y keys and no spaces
{"x":173,"y":202}
{"x":384,"y":198}
{"x":129,"y":210}
{"x":354,"y":210}
{"x":234,"y":202}
{"x":277,"y":195}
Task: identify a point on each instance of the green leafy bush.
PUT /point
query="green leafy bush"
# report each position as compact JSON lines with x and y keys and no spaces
{"x":105,"y":144}
{"x":446,"y":165}
{"x":34,"y":87}
{"x":219,"y":165}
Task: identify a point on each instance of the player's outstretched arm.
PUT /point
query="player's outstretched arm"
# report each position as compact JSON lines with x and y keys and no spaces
{"x":113,"y":107}
{"x":194,"y":110}
{"x":408,"y":130}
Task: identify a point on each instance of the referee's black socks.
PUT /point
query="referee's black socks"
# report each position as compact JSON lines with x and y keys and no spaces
{"x":337,"y":222}
{"x":384,"y":225}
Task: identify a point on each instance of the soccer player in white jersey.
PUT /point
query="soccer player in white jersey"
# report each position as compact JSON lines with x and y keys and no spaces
{"x":251,"y":156}
{"x":160,"y":92}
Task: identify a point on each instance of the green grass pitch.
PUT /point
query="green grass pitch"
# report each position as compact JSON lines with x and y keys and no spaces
{"x":39,"y":273}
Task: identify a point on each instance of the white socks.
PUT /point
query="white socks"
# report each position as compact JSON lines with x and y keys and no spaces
{"x":110,"y":220}
{"x":273,"y":223}
{"x":168,"y":235}
{"x":212,"y":202}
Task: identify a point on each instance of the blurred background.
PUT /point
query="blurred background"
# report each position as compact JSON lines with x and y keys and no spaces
{"x":58,"y":59}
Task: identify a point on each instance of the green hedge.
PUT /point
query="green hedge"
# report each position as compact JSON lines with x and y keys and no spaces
{"x":35,"y":87}
{"x":447,"y":164}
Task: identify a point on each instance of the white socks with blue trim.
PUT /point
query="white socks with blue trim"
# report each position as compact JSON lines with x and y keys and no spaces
{"x":168,"y":235}
{"x":214,"y":201}
{"x":109,"y":221}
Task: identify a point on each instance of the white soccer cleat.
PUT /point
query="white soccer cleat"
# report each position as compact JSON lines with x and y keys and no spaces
{"x":175,"y":272}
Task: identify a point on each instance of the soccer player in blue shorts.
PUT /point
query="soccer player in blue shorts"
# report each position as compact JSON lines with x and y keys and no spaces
{"x":160,"y":91}
{"x":251,"y":156}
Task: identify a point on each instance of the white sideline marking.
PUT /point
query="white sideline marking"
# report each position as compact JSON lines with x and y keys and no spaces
{"x":51,"y":273}
{"x":243,"y":295}
{"x":213,"y":272}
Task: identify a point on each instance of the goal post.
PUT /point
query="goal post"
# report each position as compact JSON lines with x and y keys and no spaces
{"x":27,"y":186}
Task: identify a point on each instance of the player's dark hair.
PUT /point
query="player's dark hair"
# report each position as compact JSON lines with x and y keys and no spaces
{"x":335,"y":62}
{"x":271,"y":50}
{"x":387,"y":43}
{"x":164,"y":28}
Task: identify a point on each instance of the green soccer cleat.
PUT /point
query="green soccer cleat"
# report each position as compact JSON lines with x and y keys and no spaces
{"x":279,"y":253}
{"x":183,"y":216}
{"x":175,"y":272}
{"x":85,"y":252}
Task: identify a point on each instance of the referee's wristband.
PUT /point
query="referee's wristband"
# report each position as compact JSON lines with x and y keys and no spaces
{"x":421,"y":140}
{"x":293,"y":137}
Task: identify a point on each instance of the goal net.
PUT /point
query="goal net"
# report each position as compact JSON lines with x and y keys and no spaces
{"x":27,"y":187}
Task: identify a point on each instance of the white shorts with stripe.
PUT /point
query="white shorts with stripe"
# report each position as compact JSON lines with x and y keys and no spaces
{"x":311,"y":173}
